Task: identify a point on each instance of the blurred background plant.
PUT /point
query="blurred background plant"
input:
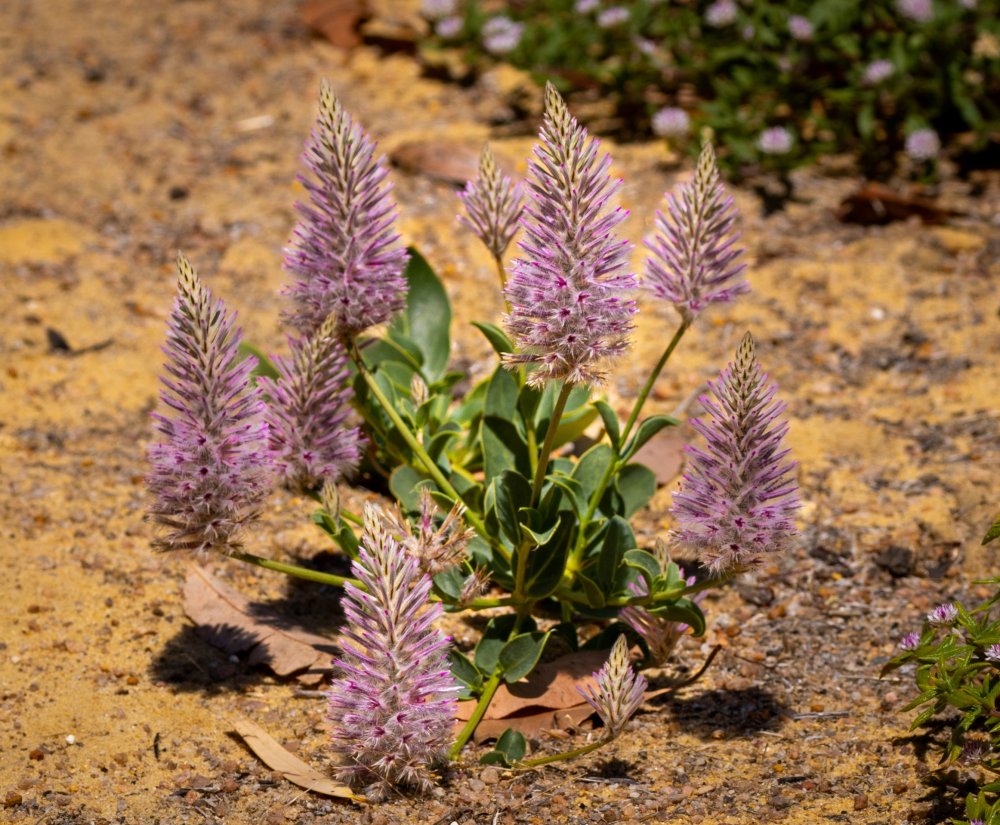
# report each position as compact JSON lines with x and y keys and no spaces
{"x":779,"y":83}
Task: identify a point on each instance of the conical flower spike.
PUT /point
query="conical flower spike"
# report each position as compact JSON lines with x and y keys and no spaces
{"x":493,"y":204}
{"x":618,"y":691}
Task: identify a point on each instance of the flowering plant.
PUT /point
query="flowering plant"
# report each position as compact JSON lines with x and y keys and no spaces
{"x":956,"y":661}
{"x":492,"y":511}
{"x":779,"y":83}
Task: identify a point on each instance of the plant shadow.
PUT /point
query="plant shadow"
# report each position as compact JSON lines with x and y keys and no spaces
{"x":736,"y":712}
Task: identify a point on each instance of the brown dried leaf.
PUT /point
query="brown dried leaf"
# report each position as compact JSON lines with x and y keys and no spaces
{"x":336,"y":20}
{"x":450,"y":161}
{"x":533,"y":724}
{"x":229,"y":621}
{"x":289,"y":766}
{"x":664,"y":455}
{"x":875,"y":203}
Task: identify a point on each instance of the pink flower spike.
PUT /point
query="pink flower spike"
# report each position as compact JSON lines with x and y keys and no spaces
{"x":619,"y":690}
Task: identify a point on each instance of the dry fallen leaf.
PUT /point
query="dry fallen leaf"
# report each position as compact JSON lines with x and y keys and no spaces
{"x":336,"y":20}
{"x":289,"y":766}
{"x":228,"y":620}
{"x":877,"y":204}
{"x":664,"y":455}
{"x":446,"y":160}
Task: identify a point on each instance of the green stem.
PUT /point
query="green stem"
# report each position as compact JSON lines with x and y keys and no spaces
{"x":550,"y":437}
{"x":558,"y":757}
{"x":502,"y":273}
{"x":295,"y":570}
{"x":651,"y":380}
{"x":418,"y":449}
{"x":489,"y":689}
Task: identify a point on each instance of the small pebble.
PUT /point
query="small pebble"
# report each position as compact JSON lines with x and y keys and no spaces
{"x":860,"y":802}
{"x":490,"y":776}
{"x":11,"y":799}
{"x":71,"y":739}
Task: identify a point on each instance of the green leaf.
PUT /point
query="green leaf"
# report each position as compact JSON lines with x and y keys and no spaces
{"x":637,"y":485}
{"x":448,"y":584}
{"x":590,"y":468}
{"x":683,"y":610}
{"x":497,"y":337}
{"x":339,"y":531}
{"x":617,"y":539}
{"x":593,"y":593}
{"x":264,"y":366}
{"x":465,"y":673}
{"x":577,"y":417}
{"x":405,"y":483}
{"x":645,"y":563}
{"x":611,"y":426}
{"x":994,"y":531}
{"x":509,"y":749}
{"x":504,"y":447}
{"x":426,"y":320}
{"x":493,"y":640}
{"x":520,"y":655}
{"x":647,"y":429}
{"x":511,"y":492}
{"x":547,"y":562}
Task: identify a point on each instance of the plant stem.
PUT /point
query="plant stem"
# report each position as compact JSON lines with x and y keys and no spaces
{"x":489,"y":689}
{"x":651,"y":380}
{"x":418,"y":449}
{"x":295,"y":570}
{"x":502,"y":273}
{"x":550,"y":437}
{"x":558,"y":757}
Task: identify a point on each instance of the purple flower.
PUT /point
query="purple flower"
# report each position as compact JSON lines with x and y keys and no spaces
{"x":775,"y":141}
{"x":493,"y":204}
{"x":611,"y":17}
{"x":501,"y":35}
{"x":307,"y":408}
{"x":910,"y":641}
{"x":393,"y":706}
{"x":721,"y":13}
{"x":993,"y":653}
{"x":211,"y":470}
{"x":449,"y":27}
{"x":877,"y":71}
{"x":943,"y":614}
{"x":737,"y":501}
{"x":923,"y":144}
{"x":568,"y":292}
{"x":436,"y":9}
{"x":586,"y":6}
{"x":695,"y":259}
{"x":920,"y":11}
{"x":345,"y":257}
{"x":618,"y":691}
{"x":671,"y":121}
{"x":800,"y":28}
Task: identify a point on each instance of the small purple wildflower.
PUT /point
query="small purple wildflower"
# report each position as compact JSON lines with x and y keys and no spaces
{"x":586,"y":6}
{"x":974,"y":750}
{"x":568,"y":291}
{"x":800,"y":28}
{"x":618,"y":691}
{"x":613,"y":16}
{"x":943,"y":614}
{"x":775,"y":141}
{"x":737,"y":502}
{"x":976,"y":821}
{"x":346,"y":258}
{"x":695,"y":259}
{"x":910,"y":641}
{"x":307,"y":408}
{"x":393,"y":706}
{"x":992,"y":653}
{"x":501,"y":35}
{"x":436,"y":9}
{"x":877,"y":71}
{"x":211,"y":470}
{"x":721,"y":13}
{"x":923,"y":144}
{"x":449,"y":27}
{"x":494,"y":205}
{"x":919,"y":11}
{"x":671,"y":121}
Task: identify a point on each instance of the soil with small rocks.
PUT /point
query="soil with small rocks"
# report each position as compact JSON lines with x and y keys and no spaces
{"x":130,"y":130}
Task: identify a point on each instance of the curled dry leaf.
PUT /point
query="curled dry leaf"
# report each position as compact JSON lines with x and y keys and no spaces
{"x":231,"y":622}
{"x":289,"y":766}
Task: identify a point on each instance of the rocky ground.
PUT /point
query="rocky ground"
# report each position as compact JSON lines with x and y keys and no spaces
{"x":130,"y":130}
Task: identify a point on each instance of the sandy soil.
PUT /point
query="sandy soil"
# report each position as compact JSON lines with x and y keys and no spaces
{"x":129,"y":130}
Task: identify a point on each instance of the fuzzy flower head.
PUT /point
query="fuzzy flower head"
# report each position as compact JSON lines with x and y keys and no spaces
{"x":436,"y":9}
{"x":878,"y":71}
{"x":800,"y":28}
{"x":992,"y":653}
{"x":393,"y":705}
{"x":611,"y":17}
{"x":345,"y":256}
{"x":569,"y":289}
{"x":307,"y":411}
{"x":775,"y":141}
{"x":586,"y":6}
{"x":210,"y":469}
{"x":910,"y":641}
{"x":721,"y":13}
{"x":435,"y":546}
{"x":919,"y":11}
{"x":943,"y":614}
{"x":501,"y":35}
{"x":449,"y":27}
{"x":618,"y":692}
{"x":671,"y":121}
{"x":695,"y":257}
{"x":923,"y":144}
{"x":737,"y":500}
{"x":493,"y":205}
